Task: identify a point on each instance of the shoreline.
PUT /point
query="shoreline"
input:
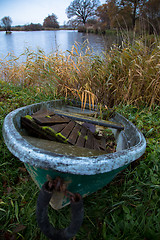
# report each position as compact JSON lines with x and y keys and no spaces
{"x":21,"y":29}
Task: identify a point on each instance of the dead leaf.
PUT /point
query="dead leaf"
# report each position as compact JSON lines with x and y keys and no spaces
{"x":20,"y":227}
{"x":9,"y":189}
{"x":22,"y":169}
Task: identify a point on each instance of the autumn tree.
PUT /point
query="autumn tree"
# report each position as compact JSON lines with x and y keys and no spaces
{"x":82,"y":10}
{"x":51,"y":21}
{"x":6,"y":23}
{"x":103,"y":16}
{"x":107,"y":13}
{"x":121,"y":13}
{"x":148,"y":9}
{"x":124,"y":17}
{"x":152,"y":15}
{"x":131,"y":9}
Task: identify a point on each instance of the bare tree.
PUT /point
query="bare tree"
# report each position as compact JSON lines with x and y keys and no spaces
{"x":6,"y":23}
{"x":82,"y":9}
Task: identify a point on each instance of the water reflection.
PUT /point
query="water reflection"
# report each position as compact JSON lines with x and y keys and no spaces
{"x":9,"y":41}
{"x":50,"y":41}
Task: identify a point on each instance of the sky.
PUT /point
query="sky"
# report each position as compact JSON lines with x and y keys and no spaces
{"x":34,"y":11}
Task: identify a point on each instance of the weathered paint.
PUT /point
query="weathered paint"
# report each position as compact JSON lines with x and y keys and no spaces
{"x":131,"y":145}
{"x":85,"y":185}
{"x":97,"y":170}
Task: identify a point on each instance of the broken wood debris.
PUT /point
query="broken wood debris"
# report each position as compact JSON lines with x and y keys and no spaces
{"x":48,"y":125}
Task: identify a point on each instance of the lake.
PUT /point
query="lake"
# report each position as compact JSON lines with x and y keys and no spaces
{"x":50,"y":41}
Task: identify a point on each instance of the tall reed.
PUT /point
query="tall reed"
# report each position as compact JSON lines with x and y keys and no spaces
{"x":128,"y":74}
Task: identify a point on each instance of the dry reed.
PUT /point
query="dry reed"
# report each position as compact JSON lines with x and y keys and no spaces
{"x":129,"y":74}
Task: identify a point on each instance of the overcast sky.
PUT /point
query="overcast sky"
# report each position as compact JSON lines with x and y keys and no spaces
{"x":27,"y":11}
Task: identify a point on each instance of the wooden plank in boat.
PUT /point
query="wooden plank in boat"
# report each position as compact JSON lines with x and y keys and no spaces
{"x":96,"y":144}
{"x":81,"y":140}
{"x":66,"y":131}
{"x":102,"y":143}
{"x":70,"y":132}
{"x":50,"y":120}
{"x":92,"y":120}
{"x":34,"y":129}
{"x":59,"y":127}
{"x":43,"y":113}
{"x":89,"y":140}
{"x":74,"y":134}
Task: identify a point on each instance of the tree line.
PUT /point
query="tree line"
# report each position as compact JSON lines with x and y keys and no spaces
{"x":49,"y":22}
{"x":130,"y":14}
{"x":124,"y":14}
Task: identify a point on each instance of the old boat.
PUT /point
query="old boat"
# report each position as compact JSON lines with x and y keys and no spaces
{"x":84,"y":170}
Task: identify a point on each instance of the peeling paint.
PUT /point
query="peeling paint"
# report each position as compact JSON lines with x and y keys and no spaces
{"x":131,"y":145}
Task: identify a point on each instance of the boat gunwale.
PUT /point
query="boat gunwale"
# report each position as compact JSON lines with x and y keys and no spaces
{"x":28,"y":153}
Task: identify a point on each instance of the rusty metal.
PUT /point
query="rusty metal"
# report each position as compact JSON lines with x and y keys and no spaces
{"x":59,"y":185}
{"x":42,"y":210}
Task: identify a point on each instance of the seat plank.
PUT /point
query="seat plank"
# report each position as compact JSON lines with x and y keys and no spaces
{"x":50,"y":120}
{"x":43,"y":113}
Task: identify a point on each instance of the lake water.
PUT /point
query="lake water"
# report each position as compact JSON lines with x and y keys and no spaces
{"x":50,"y":41}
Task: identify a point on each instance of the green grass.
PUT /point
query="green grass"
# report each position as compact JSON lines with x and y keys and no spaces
{"x":126,"y":209}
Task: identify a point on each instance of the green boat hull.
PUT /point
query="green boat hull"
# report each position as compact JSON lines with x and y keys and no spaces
{"x":82,"y":184}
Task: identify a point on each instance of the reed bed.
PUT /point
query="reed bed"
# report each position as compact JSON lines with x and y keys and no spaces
{"x":126,"y":74}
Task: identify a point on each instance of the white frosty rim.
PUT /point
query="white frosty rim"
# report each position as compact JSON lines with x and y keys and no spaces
{"x":27,"y":153}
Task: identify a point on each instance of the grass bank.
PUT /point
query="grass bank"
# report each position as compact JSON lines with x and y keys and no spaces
{"x":126,"y":77}
{"x":96,"y":30}
{"x":127,"y":208}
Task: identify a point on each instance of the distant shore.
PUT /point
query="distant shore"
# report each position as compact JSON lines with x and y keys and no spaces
{"x":42,"y":29}
{"x":81,"y":29}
